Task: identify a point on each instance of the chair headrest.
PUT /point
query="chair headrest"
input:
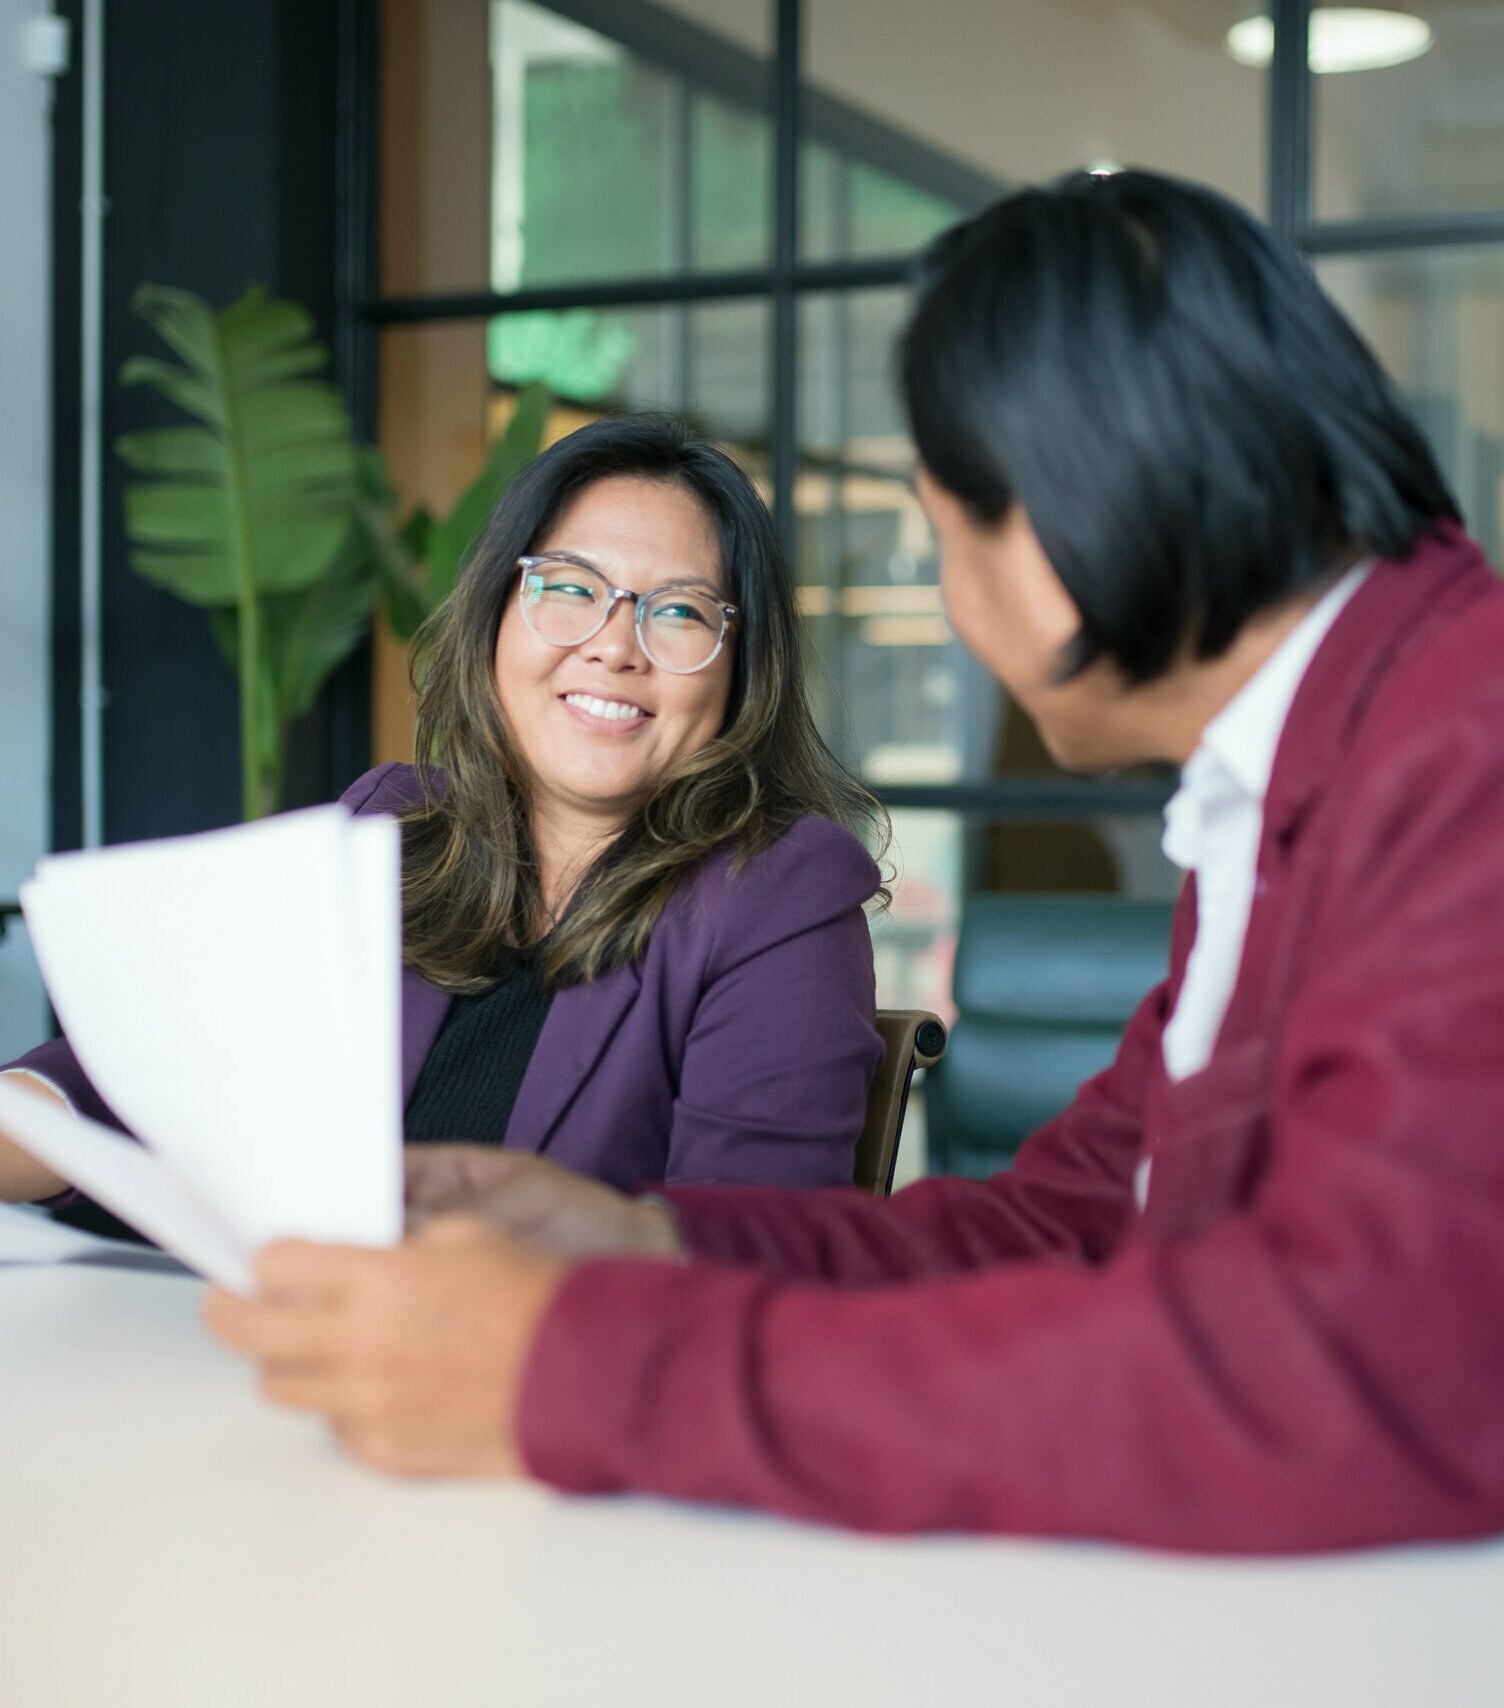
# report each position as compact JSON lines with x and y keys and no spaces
{"x":1068,"y":960}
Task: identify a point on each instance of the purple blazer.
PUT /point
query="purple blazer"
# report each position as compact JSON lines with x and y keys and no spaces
{"x":737,"y":1050}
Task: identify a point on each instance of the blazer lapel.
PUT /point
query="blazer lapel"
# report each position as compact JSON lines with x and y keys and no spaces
{"x":424,"y":1006}
{"x":1390,"y":613}
{"x":582,"y":1020}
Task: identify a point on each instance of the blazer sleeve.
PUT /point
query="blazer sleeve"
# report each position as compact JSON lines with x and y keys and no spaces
{"x":1320,"y":1367}
{"x":55,"y":1061}
{"x":784,"y":1022}
{"x":384,"y":789}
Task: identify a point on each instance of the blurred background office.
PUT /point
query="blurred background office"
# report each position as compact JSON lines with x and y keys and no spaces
{"x":699,"y":205}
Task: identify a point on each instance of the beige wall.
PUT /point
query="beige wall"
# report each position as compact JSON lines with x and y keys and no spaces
{"x":1026,"y":89}
{"x":435,"y":145}
{"x":435,"y":181}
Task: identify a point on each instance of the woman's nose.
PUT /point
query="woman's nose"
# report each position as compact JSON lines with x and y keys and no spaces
{"x":615,"y":644}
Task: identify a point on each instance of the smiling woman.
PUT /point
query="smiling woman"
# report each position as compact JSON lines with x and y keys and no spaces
{"x":628,"y":840}
{"x":605,"y":688}
{"x":632,"y":894}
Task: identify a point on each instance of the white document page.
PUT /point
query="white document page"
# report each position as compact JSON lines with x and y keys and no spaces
{"x":235,"y":998}
{"x":125,"y":1177}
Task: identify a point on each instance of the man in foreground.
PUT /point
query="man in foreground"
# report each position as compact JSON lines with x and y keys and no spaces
{"x":1247,"y":1292}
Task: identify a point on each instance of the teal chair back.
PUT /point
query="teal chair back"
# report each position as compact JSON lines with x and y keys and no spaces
{"x":1044,"y":985}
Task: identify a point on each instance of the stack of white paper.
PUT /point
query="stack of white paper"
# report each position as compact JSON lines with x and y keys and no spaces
{"x":234,"y":997}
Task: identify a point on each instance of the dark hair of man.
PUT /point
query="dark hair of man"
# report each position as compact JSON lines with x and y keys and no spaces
{"x":471,"y":889}
{"x":1192,"y":428}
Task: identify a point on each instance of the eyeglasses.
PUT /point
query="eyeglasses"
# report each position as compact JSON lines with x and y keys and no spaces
{"x":566,"y":601}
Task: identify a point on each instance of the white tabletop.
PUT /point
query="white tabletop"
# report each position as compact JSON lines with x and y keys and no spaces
{"x":167,"y":1540}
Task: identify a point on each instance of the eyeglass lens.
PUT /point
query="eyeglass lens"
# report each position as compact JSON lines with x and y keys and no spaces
{"x":565,"y":604}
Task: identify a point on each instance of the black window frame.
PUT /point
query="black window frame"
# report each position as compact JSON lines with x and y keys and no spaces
{"x":362,"y":311}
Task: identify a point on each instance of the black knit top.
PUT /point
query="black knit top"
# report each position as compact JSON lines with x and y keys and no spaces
{"x":474,"y":1071}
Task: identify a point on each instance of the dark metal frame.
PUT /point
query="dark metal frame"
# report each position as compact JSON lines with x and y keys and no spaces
{"x":659,"y":34}
{"x":355,"y":329}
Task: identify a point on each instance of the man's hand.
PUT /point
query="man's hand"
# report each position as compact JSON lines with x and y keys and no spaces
{"x":416,"y":1356}
{"x":550,"y":1208}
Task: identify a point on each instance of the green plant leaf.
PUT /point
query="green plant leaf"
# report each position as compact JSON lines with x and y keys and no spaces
{"x":180,"y":451}
{"x":334,"y":617}
{"x":452,"y":537}
{"x":184,"y":322}
{"x":372,"y":478}
{"x":416,"y":533}
{"x":393,"y":564}
{"x":523,"y":437}
{"x":199,"y":577}
{"x":269,"y":340}
{"x":175,"y":385}
{"x":224,"y":625}
{"x":404,"y":608}
{"x":176,"y":513}
{"x":452,"y":540}
{"x":401,"y":579}
{"x":305,"y":636}
{"x":252,"y":504}
{"x":266,"y":480}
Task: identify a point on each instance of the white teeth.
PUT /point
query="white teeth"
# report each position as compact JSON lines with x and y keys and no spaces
{"x":613,"y":709}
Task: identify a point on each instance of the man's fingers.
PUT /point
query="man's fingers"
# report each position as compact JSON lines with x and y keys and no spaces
{"x":301,"y":1269}
{"x":417,"y":1216}
{"x":314,"y":1388}
{"x":375,"y":1445}
{"x":430,"y":1172}
{"x":283,"y":1334}
{"x":436,"y":1175}
{"x":459,"y":1230}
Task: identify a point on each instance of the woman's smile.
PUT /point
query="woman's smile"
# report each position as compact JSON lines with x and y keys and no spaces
{"x":606,"y":716}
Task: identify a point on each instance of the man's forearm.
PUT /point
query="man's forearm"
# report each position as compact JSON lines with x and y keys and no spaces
{"x":1068,"y":1196}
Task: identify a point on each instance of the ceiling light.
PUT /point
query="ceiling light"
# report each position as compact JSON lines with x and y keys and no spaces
{"x":1343,"y":38}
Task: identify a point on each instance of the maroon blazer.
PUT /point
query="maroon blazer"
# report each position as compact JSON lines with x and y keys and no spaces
{"x":737,"y":1050}
{"x":1297,"y":1344}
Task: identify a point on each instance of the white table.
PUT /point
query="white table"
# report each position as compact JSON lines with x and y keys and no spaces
{"x":167,"y":1540}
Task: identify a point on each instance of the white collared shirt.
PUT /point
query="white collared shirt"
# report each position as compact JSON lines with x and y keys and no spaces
{"x":1215,"y":822}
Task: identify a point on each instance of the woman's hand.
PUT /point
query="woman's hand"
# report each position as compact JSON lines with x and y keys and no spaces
{"x":22,"y":1178}
{"x":416,"y":1356}
{"x":529,"y":1198}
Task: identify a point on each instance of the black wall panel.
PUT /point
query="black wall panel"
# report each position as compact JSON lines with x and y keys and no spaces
{"x":220,"y":161}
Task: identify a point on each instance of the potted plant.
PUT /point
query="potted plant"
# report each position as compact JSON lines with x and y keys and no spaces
{"x":250,"y":509}
{"x":264,"y":511}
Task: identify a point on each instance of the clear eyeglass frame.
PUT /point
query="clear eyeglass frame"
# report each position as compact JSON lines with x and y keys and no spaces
{"x":614,"y":596}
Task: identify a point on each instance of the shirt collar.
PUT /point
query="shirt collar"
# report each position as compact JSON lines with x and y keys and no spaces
{"x":1234,"y":759}
{"x":1244,"y":735}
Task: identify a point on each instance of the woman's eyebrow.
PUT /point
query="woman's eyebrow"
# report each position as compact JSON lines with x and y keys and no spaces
{"x":694,"y":581}
{"x":567,"y":556}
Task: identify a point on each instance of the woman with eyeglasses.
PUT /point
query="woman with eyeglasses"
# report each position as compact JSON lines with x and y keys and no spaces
{"x":632,"y":894}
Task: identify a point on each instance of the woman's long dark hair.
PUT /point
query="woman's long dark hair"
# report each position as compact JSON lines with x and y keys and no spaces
{"x":471,"y":885}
